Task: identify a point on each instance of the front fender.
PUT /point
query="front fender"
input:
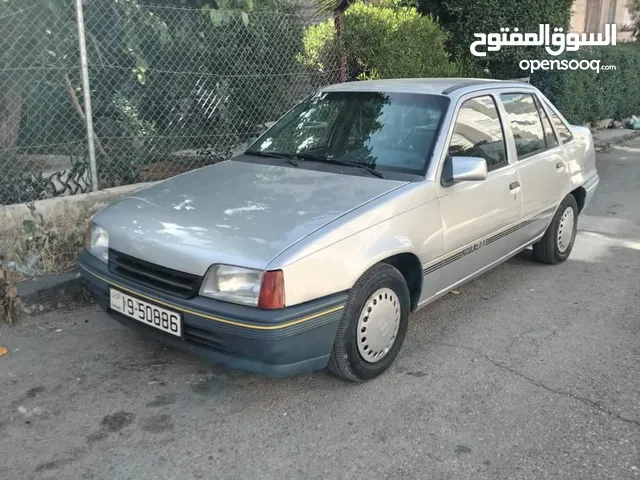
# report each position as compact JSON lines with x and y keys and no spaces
{"x":337,"y":267}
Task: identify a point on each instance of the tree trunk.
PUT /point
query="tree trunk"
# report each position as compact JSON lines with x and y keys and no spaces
{"x":338,"y":19}
{"x":10,"y":113}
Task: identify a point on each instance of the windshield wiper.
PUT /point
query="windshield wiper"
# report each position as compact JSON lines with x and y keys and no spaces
{"x":283,"y":156}
{"x":291,"y":158}
{"x":346,"y":163}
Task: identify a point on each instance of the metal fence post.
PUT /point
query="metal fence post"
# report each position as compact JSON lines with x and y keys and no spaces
{"x":84,"y":69}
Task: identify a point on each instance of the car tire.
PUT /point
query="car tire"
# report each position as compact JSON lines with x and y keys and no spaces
{"x":379,"y":301}
{"x":556,"y":244}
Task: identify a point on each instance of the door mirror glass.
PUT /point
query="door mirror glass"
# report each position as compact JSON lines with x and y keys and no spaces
{"x":464,"y":169}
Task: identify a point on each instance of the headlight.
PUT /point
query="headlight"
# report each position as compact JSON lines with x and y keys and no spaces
{"x":96,"y":241}
{"x":232,"y":284}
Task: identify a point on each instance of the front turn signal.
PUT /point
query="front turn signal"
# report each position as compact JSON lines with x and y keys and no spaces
{"x":272,"y":290}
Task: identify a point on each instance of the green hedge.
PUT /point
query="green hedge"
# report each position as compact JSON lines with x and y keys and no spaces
{"x":587,"y":96}
{"x":463,"y":18}
{"x":382,"y":41}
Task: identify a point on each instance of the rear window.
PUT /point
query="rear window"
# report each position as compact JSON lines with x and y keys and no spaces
{"x":549,"y":136}
{"x":563,"y":131}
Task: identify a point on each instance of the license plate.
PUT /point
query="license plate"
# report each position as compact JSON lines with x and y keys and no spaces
{"x":148,"y":313}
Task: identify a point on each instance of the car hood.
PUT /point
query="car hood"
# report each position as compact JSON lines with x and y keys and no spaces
{"x":235,"y":212}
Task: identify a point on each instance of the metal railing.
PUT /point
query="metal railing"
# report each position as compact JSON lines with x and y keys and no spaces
{"x":126,"y":92}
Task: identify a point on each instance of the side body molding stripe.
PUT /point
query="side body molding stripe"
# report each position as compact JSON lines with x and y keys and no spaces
{"x":478,"y":245}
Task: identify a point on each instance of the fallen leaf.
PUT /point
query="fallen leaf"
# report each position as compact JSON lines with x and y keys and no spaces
{"x":3,"y":351}
{"x":455,"y":292}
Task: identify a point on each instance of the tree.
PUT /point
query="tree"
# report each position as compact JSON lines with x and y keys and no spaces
{"x":39,"y":58}
{"x":337,"y":9}
{"x":20,"y":48}
{"x":382,"y":42}
{"x":463,"y":18}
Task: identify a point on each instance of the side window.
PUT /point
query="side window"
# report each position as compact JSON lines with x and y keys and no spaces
{"x":478,"y":132}
{"x":549,"y":136}
{"x":525,"y":122}
{"x":561,"y":128}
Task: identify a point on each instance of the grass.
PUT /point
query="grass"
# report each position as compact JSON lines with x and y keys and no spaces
{"x":41,"y":247}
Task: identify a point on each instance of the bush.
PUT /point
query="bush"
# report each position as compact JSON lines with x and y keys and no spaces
{"x":381,"y":42}
{"x":463,"y":18}
{"x":587,"y":96}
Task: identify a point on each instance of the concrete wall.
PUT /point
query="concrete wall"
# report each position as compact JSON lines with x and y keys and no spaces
{"x":578,"y":15}
{"x":591,"y":16}
{"x":11,"y":216}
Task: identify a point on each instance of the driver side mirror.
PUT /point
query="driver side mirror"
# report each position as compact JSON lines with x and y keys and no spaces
{"x":463,"y":169}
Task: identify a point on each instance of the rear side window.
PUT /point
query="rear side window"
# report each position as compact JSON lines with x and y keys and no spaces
{"x":525,"y":122}
{"x":549,"y":136}
{"x":478,"y":132}
{"x":561,"y":128}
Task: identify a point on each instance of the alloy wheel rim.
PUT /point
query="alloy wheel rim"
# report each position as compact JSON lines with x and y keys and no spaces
{"x":565,"y":230}
{"x":378,"y":325}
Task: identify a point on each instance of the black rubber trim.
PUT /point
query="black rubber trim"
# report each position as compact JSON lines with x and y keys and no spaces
{"x":285,"y":357}
{"x":458,"y":86}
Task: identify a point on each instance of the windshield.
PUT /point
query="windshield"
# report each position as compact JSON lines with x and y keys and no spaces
{"x":385,"y":131}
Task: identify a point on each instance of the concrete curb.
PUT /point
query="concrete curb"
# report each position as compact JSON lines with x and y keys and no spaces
{"x":603,"y":145}
{"x":52,"y":292}
{"x":71,"y":206}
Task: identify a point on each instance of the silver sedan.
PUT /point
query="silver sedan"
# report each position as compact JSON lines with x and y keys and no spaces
{"x":363,"y":203}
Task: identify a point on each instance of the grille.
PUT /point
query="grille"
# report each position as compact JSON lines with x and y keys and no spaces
{"x":172,"y":282}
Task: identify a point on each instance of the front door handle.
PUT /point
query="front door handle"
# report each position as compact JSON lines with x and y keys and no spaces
{"x":559,"y":166}
{"x":514,"y":185}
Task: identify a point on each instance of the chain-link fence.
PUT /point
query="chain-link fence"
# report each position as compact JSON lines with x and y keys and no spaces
{"x":42,"y":135}
{"x":171,"y":89}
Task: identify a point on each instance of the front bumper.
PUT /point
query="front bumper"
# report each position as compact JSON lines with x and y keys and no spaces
{"x":282,"y":342}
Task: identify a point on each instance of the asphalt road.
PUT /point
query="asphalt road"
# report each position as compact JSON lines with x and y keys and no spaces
{"x":530,"y":372}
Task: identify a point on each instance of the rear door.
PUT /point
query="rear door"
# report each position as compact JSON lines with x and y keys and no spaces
{"x":544,"y":172}
{"x":475,"y":215}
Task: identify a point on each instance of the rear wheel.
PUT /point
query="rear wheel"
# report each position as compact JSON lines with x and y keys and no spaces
{"x":373,"y":326}
{"x":557,"y":243}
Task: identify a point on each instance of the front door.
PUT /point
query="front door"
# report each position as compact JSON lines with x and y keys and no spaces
{"x":477,"y":215}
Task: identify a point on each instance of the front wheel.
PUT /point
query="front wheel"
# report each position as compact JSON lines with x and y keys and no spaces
{"x":556,"y":244}
{"x":373,"y":325}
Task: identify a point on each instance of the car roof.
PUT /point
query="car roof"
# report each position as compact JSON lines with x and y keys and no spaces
{"x":434,"y":86}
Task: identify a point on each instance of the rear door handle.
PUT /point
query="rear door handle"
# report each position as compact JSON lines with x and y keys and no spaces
{"x":559,"y":166}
